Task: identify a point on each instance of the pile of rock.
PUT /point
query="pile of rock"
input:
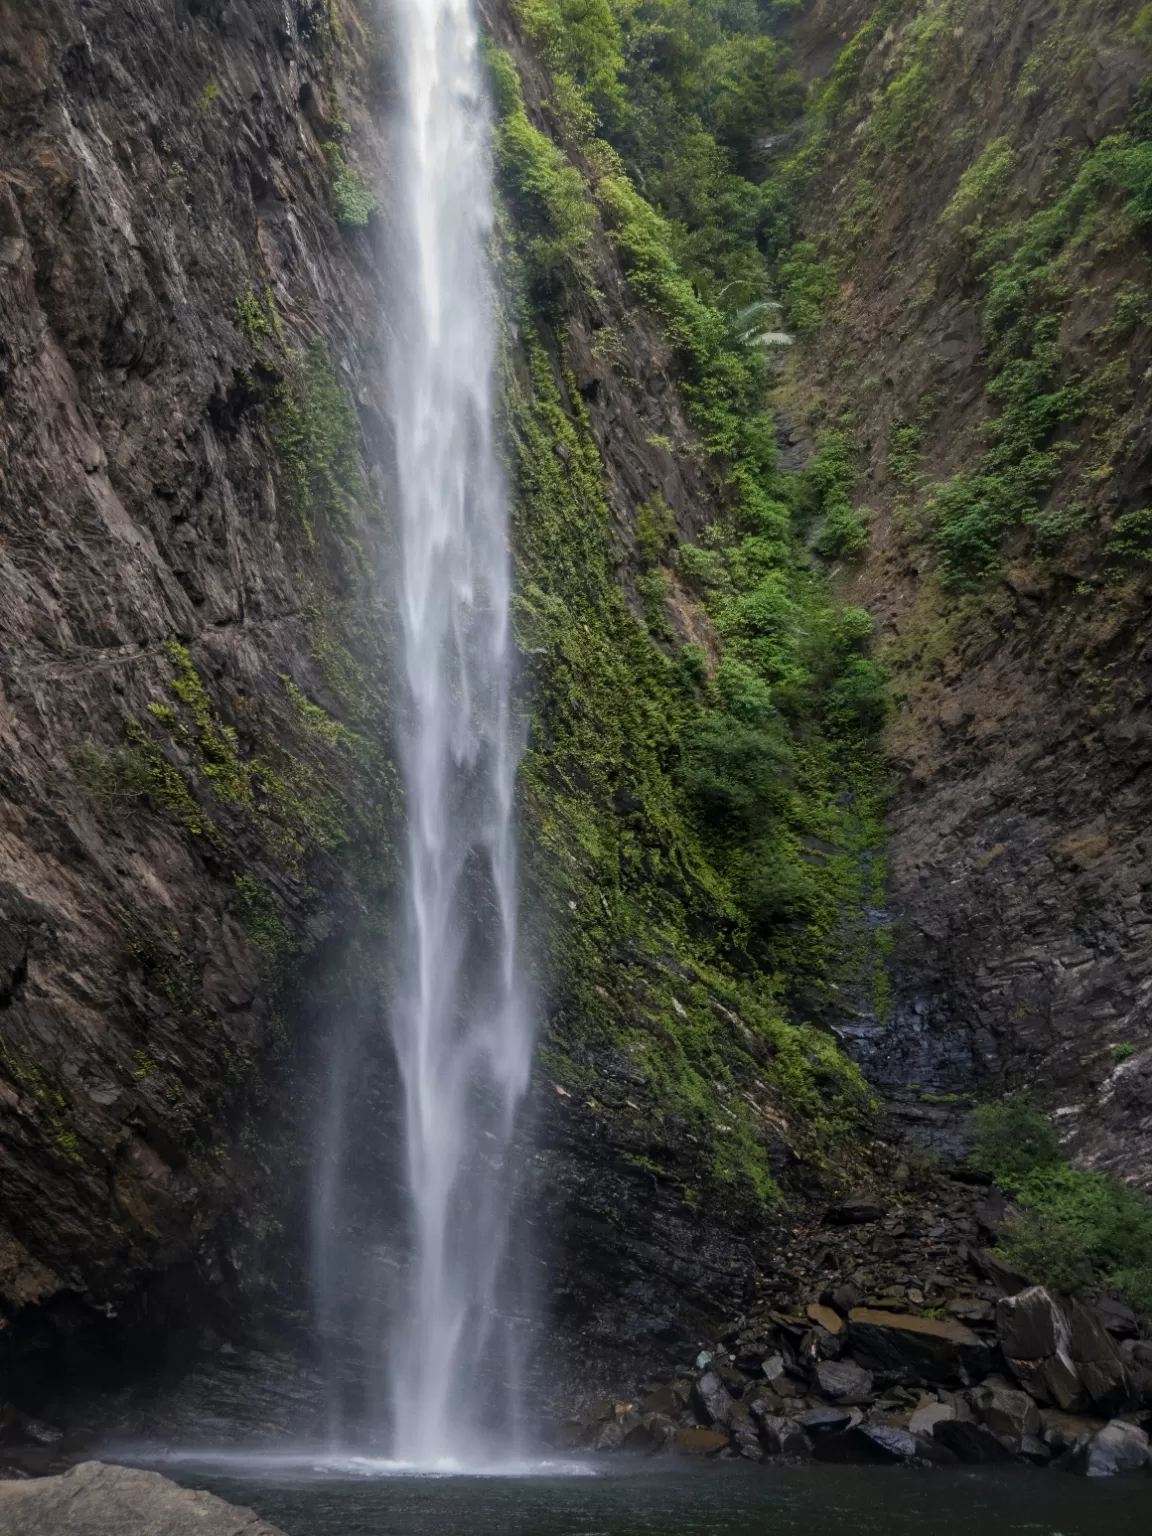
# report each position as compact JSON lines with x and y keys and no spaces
{"x":1030,"y":1379}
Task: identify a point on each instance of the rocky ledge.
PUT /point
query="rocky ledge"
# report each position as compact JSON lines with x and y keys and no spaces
{"x":95,"y":1499}
{"x":891,"y":1335}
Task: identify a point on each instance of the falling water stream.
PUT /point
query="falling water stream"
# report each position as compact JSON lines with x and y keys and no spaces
{"x":462,"y":1030}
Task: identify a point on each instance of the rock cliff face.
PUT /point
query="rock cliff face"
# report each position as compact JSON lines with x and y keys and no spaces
{"x":189,"y":605}
{"x":966,"y":204}
{"x":199,"y":806}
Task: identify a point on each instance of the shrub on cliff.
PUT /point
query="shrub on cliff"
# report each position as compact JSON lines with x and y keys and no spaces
{"x":1069,"y":1228}
{"x":1013,"y":1139}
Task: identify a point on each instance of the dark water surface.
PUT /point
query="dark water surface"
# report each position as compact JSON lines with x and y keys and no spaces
{"x":670,"y":1499}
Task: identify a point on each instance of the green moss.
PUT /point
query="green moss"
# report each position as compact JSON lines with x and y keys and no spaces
{"x":112,"y":775}
{"x":260,"y":918}
{"x":844,"y":76}
{"x":48,"y":1100}
{"x":580,"y":39}
{"x":316,"y":440}
{"x":655,"y":531}
{"x":166,"y":787}
{"x":610,"y":724}
{"x":807,"y":285}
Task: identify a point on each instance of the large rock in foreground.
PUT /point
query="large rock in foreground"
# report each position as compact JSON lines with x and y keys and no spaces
{"x":95,"y":1499}
{"x":918,"y":1347}
{"x":1061,"y":1353}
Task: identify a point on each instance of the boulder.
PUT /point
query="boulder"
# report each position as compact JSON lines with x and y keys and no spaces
{"x":1097,"y":1359}
{"x":867,"y":1443}
{"x":930,"y":1413}
{"x":1066,"y":1432}
{"x":844,"y":1298}
{"x":1009,"y":1414}
{"x":1116,"y":1449}
{"x":610,"y":1436}
{"x":1030,"y":1325}
{"x":973,"y":1444}
{"x":971,"y":1310}
{"x":825,"y":1317}
{"x":1060,"y":1352}
{"x":935,"y":1452}
{"x":853,"y":1213}
{"x":672,"y":1399}
{"x":844,"y":1382}
{"x":1034,"y":1450}
{"x":714,"y":1399}
{"x":783,"y":1437}
{"x":768,"y":1404}
{"x":777,"y":1377}
{"x":654,"y":1432}
{"x":95,"y":1499}
{"x":1119,"y":1318}
{"x":747,"y":1442}
{"x":824,"y":1421}
{"x":700,"y":1442}
{"x":936,"y":1349}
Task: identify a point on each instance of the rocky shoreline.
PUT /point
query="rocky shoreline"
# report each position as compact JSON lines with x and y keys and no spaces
{"x":892,"y":1334}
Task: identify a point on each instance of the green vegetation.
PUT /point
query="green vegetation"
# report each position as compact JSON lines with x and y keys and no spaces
{"x":982,"y":186}
{"x":46,"y":1099}
{"x":260,"y":918}
{"x":1055,"y":420}
{"x":694,"y":813}
{"x":353,"y":200}
{"x":1070,"y":1229}
{"x":112,"y":775}
{"x":256,"y":316}
{"x":1123,"y":1052}
{"x":843,"y":532}
{"x":1130,"y":542}
{"x":316,"y":439}
{"x":621,"y":849}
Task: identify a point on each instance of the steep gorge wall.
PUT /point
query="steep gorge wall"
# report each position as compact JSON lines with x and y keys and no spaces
{"x":973,"y":192}
{"x":197,"y":795}
{"x":200,"y":813}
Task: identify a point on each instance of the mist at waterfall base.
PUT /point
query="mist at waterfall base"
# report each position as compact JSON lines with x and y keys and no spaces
{"x":422,"y":1334}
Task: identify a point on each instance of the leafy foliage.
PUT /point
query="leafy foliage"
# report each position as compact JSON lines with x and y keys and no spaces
{"x":1071,"y":1228}
{"x":353,"y":200}
{"x":700,"y":810}
{"x":1013,"y":1138}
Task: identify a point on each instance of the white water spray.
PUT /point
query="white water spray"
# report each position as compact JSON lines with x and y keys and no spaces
{"x":461,"y":1028}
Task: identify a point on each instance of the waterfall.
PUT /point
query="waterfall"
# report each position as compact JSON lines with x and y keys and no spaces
{"x":461,"y":1028}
